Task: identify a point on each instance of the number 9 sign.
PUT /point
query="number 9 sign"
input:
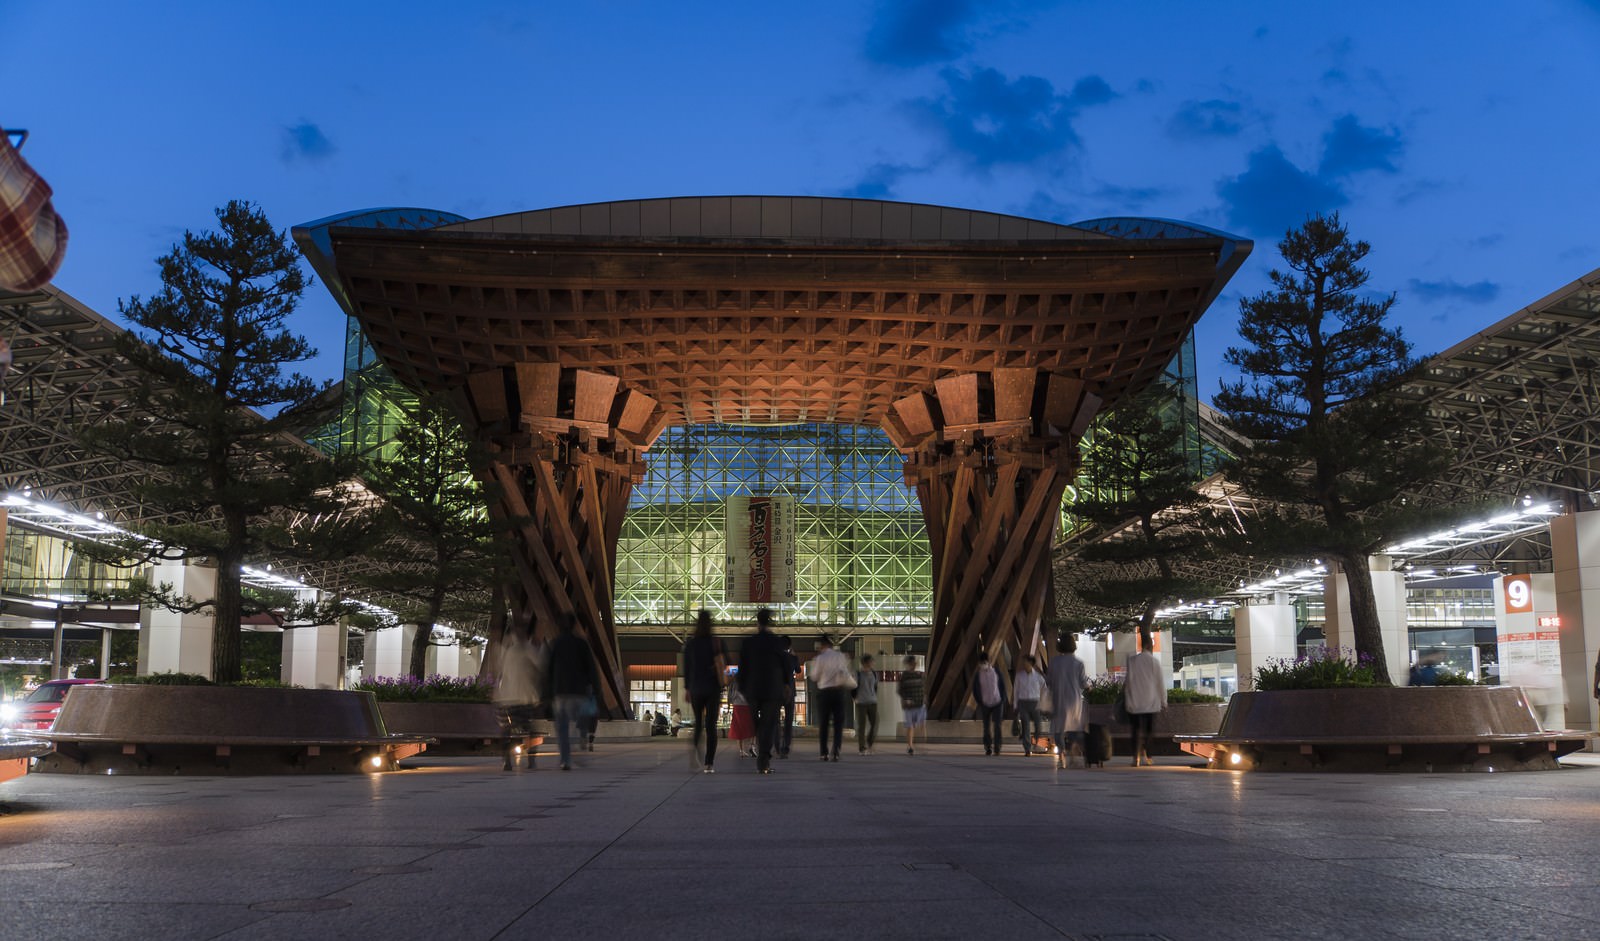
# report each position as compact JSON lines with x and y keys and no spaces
{"x":1519,"y":594}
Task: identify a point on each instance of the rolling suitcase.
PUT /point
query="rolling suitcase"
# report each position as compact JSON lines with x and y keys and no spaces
{"x":1096,"y":745}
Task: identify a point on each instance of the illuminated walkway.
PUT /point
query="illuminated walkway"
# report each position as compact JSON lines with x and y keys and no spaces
{"x":944,"y":845}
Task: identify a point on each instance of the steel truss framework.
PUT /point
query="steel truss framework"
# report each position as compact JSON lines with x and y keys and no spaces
{"x":66,"y":374}
{"x":1515,"y":404}
{"x":862,"y":551}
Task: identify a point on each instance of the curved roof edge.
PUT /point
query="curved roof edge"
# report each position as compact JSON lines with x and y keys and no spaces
{"x":317,"y":246}
{"x":1234,"y":249}
{"x":779,"y":217}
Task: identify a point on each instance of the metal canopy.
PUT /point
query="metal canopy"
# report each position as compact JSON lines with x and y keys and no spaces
{"x":1516,"y":403}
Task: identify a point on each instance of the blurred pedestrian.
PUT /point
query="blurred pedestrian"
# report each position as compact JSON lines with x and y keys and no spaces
{"x":1066,"y":680}
{"x":866,"y":706}
{"x":831,"y":674}
{"x":705,"y":663}
{"x":763,"y":672}
{"x":571,"y":683}
{"x":912,"y":702}
{"x":1144,"y":693}
{"x":785,"y":736}
{"x":742,"y":727}
{"x":1029,"y":686}
{"x":989,"y":693}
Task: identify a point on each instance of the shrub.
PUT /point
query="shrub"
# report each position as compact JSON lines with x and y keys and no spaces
{"x":435,"y":688}
{"x":1181,"y":695}
{"x":194,"y":679}
{"x":1447,"y":678}
{"x":168,"y":678}
{"x":1103,"y":690}
{"x":1327,"y":668}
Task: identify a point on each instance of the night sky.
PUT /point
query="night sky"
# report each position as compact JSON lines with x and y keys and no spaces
{"x":1462,"y":139}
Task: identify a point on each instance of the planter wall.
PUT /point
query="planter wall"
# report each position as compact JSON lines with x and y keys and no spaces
{"x":220,"y":729}
{"x":1417,"y":728}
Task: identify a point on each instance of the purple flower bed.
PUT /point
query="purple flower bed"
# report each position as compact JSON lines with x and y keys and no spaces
{"x":436,"y":688}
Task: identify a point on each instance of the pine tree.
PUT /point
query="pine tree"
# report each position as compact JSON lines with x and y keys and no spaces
{"x":1142,"y":488}
{"x":211,"y":420}
{"x":1333,"y":444}
{"x":436,"y":516}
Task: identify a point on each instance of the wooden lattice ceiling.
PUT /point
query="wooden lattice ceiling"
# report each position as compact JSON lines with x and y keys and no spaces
{"x":773,"y":330}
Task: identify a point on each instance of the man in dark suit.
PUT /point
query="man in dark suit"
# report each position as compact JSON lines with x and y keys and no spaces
{"x":763,"y":672}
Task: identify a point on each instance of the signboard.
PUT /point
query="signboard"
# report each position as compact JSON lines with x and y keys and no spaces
{"x":760,"y":559}
{"x":1519,"y":594}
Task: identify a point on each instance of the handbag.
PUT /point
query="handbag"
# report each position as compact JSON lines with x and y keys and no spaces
{"x":588,"y":708}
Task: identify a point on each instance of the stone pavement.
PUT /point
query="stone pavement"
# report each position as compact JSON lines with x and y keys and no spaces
{"x":948,"y":844}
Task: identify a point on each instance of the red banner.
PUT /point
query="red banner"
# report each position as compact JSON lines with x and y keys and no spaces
{"x":761,"y":546}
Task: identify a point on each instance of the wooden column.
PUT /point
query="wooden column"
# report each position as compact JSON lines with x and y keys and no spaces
{"x":563,"y":450}
{"x":989,"y":455}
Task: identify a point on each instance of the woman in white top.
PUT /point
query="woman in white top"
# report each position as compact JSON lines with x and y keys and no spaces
{"x":1144,"y":693}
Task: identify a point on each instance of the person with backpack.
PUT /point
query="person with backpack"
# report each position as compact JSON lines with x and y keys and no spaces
{"x":989,"y":692}
{"x":704,"y":666}
{"x":912,"y":702}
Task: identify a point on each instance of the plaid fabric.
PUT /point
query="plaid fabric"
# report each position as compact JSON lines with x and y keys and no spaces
{"x":33,"y":239}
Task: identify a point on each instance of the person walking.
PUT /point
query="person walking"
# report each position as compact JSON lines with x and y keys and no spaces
{"x":571,"y":683}
{"x":831,"y":673}
{"x":912,"y":702}
{"x":1066,"y":680}
{"x":866,"y":706}
{"x":1144,"y":693}
{"x":785,"y":736}
{"x":704,"y":665}
{"x":763,"y":671}
{"x":1028,"y":687}
{"x":989,"y":692}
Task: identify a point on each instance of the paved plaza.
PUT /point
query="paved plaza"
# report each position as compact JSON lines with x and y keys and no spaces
{"x":945,"y":844}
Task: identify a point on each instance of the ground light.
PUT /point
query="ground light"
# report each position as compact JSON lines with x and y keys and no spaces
{"x":377,"y":762}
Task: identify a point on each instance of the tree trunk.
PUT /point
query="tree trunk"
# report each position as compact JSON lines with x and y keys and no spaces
{"x":226,"y":624}
{"x":1364,"y":614}
{"x":1147,"y":640}
{"x":419,"y":651}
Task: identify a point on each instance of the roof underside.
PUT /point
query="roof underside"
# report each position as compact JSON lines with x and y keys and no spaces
{"x":779,"y":327}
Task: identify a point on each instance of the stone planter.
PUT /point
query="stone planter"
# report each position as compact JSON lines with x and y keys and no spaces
{"x":221,"y":730}
{"x":1419,"y":728}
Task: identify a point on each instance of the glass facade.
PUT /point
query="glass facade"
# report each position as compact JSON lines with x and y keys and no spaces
{"x":42,"y":565}
{"x":862,"y":551}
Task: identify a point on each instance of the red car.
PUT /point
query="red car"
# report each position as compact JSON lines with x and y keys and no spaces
{"x":36,"y":711}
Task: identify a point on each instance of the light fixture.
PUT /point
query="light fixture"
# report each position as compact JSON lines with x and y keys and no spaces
{"x":1235,"y":758}
{"x":376,"y":761}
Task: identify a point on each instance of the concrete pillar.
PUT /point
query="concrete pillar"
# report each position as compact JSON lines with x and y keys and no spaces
{"x":1262,"y":632}
{"x":313,"y":657}
{"x":1575,"y":551}
{"x":1525,"y":620}
{"x":387,"y":652}
{"x":1095,"y":652}
{"x":1389,"y":587}
{"x":170,"y":642}
{"x":447,"y":661}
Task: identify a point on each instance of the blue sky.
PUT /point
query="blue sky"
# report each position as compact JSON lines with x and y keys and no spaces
{"x":1459,"y":138}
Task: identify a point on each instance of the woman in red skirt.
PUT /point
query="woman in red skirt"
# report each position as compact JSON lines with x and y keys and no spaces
{"x":743,"y":728}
